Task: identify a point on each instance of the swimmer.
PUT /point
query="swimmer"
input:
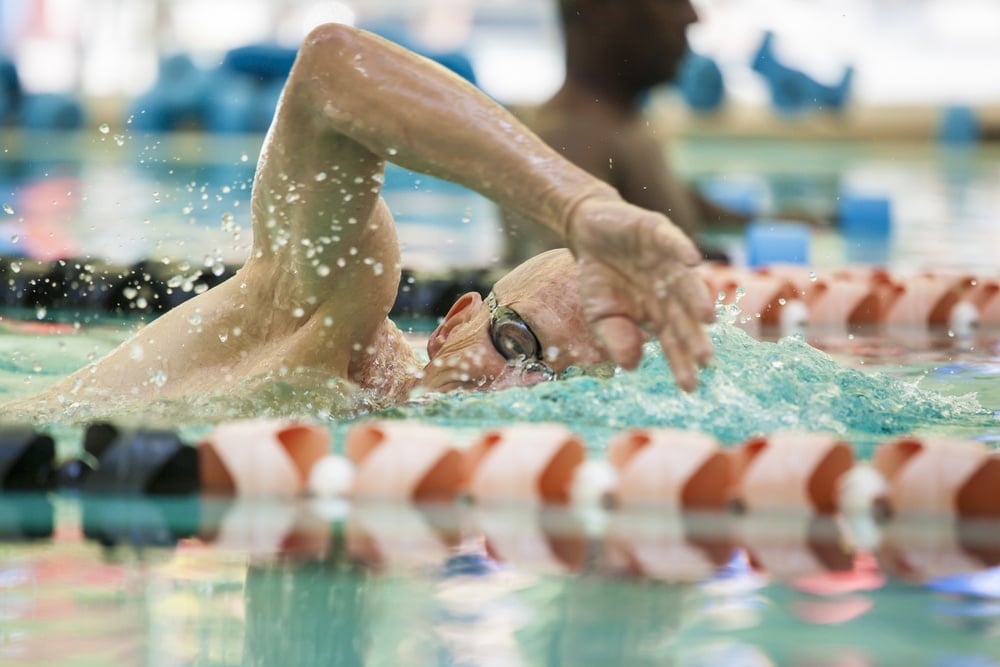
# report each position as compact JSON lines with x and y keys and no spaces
{"x":322,"y":275}
{"x":615,"y":52}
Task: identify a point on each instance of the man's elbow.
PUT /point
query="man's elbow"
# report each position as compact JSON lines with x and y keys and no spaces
{"x":330,"y":36}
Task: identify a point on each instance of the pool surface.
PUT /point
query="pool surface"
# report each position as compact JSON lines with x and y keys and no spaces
{"x":89,"y":580}
{"x":195,"y":582}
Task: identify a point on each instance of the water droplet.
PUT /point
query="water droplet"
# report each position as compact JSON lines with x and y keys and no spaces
{"x":159,"y":378}
{"x":119,"y":139}
{"x":244,"y":157}
{"x":41,"y":312}
{"x":224,"y":336}
{"x":323,"y":270}
{"x":104,"y":128}
{"x":194,"y":320}
{"x":15,"y":238}
{"x":36,"y":367}
{"x":298,"y":312}
{"x":391,"y":151}
{"x":8,"y":209}
{"x":320,"y":176}
{"x":15,"y":267}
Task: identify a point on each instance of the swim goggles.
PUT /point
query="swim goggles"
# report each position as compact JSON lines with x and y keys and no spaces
{"x":514,"y":339}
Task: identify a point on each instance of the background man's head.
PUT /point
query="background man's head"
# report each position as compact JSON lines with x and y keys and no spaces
{"x":638,"y":43}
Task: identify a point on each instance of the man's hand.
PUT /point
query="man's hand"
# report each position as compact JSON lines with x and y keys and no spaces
{"x":637,"y":278}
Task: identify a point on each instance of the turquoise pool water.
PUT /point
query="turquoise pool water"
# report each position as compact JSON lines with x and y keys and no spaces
{"x":200,"y":581}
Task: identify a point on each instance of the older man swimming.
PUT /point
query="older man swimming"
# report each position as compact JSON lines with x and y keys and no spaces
{"x":315,"y":294}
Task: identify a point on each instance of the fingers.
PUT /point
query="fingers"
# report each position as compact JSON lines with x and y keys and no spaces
{"x":621,"y":338}
{"x":685,"y":345}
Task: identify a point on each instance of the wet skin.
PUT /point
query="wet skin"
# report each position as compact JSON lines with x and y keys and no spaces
{"x":323,"y":273}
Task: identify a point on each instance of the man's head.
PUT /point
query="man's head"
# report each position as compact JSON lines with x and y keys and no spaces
{"x":533,"y":312}
{"x":639,"y":42}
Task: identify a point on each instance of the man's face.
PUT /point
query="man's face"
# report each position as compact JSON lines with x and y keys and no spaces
{"x":529,"y":329}
{"x":647,"y":37}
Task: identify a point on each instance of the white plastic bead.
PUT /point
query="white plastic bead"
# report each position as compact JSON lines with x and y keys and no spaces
{"x":860,"y":487}
{"x":593,"y":481}
{"x":794,"y":316}
{"x":964,"y":318}
{"x":331,"y":476}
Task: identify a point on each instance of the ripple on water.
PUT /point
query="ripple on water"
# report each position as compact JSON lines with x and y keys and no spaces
{"x":752,"y":387}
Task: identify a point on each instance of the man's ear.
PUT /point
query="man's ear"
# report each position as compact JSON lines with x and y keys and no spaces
{"x":461,"y":312}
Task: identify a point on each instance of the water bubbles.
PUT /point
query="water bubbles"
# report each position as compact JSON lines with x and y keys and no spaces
{"x":15,"y":238}
{"x":298,"y":312}
{"x":8,"y":209}
{"x":119,"y":139}
{"x":159,"y":378}
{"x":104,"y":128}
{"x":323,"y":270}
{"x":391,"y":151}
{"x":377,"y":268}
{"x":223,"y":336}
{"x":244,"y":157}
{"x":341,"y":262}
{"x":320,"y":176}
{"x":194,"y":320}
{"x":229,"y":223}
{"x":41,"y":312}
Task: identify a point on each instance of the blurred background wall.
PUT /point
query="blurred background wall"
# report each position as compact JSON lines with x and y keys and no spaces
{"x":906,"y":53}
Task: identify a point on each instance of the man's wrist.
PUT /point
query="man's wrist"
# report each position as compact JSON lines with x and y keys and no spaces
{"x":599,"y":190}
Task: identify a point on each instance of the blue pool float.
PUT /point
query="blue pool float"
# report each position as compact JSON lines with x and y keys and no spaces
{"x":794,"y":91}
{"x":176,"y":100}
{"x":769,"y":242}
{"x":959,"y":126}
{"x":51,"y":111}
{"x":984,"y":584}
{"x":700,"y":82}
{"x":10,"y":91}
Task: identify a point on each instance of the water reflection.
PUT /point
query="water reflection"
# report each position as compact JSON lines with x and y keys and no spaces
{"x":207,"y":581}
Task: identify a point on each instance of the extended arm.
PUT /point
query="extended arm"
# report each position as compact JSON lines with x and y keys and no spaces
{"x":637,"y":265}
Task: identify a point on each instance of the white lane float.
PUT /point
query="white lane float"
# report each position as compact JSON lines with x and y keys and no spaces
{"x":261,"y":457}
{"x":789,"y":297}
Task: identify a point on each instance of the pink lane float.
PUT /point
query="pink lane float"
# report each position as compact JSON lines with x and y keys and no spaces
{"x":788,"y":298}
{"x":546,"y":464}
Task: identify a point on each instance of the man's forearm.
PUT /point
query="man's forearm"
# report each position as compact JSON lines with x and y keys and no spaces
{"x":422,"y":117}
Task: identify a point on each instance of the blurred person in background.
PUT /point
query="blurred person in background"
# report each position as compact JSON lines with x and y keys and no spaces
{"x":615,"y":52}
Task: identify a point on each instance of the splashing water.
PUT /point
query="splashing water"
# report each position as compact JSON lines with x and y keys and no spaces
{"x":750,"y":388}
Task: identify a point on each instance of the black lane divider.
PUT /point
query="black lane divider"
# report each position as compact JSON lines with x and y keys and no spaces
{"x":151,"y":287}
